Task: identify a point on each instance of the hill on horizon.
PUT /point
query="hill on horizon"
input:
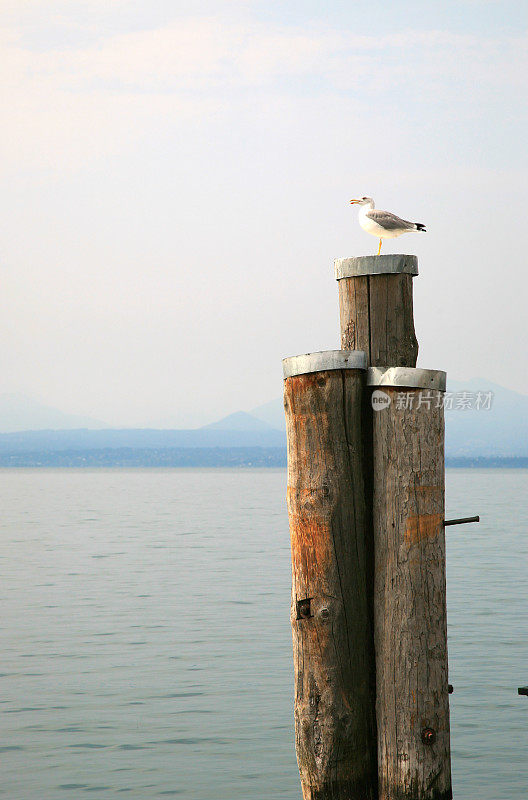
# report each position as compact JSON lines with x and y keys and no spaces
{"x":501,"y":431}
{"x":18,"y":412}
{"x":239,"y":421}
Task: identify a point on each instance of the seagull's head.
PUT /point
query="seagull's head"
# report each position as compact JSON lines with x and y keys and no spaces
{"x":362,"y":201}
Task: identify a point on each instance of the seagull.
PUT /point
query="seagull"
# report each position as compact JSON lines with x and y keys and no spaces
{"x":383,"y":224}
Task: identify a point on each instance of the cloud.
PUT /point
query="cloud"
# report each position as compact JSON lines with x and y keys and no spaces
{"x":192,"y":53}
{"x":206,"y":52}
{"x":65,"y":104}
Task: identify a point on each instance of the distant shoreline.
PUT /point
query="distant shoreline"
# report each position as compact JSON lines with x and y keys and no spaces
{"x":132,"y":457}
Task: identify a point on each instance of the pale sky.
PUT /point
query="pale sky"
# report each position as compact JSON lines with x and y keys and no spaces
{"x":176,"y":178}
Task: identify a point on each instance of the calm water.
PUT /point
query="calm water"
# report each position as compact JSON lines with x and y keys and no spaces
{"x":146,"y":642}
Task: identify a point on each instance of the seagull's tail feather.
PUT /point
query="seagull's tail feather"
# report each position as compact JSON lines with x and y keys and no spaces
{"x":419,"y":227}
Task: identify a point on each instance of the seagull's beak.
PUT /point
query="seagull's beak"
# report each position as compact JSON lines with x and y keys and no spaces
{"x":354,"y":201}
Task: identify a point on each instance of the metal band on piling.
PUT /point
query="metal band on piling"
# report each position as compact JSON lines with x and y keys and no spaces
{"x":323,"y":361}
{"x":389,"y":264}
{"x":407,"y":377}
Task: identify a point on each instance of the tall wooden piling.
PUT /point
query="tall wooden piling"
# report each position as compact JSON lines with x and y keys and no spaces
{"x":410,"y":625}
{"x":366,"y":507}
{"x":376,"y":315}
{"x":332,"y":638}
{"x":376,"y":308}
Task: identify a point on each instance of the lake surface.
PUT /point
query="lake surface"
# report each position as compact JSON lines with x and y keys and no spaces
{"x":146,"y":637}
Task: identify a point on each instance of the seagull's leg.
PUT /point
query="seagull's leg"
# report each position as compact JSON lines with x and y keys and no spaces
{"x":379,"y":248}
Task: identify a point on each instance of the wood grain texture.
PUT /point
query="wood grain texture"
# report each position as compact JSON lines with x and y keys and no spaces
{"x":410,"y":626}
{"x":333,"y":648}
{"x":376,"y":313}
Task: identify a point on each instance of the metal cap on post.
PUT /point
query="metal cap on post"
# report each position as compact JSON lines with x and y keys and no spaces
{"x":322,"y":361}
{"x":407,"y":377}
{"x":388,"y":264}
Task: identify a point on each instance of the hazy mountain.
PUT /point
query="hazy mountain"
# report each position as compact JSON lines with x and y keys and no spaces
{"x":83,"y":439}
{"x":272,"y":413}
{"x":501,"y":431}
{"x":21,"y":413}
{"x":239,"y":421}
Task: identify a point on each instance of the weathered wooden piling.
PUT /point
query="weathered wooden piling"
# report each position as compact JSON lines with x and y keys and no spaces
{"x":332,"y":637}
{"x":376,"y":307}
{"x":376,"y":315}
{"x":410,"y":625}
{"x":366,"y":507}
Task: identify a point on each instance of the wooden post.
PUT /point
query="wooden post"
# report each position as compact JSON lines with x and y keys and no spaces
{"x":376,"y":315}
{"x":410,"y":627}
{"x":366,"y":506}
{"x":376,"y":308}
{"x":332,"y":637}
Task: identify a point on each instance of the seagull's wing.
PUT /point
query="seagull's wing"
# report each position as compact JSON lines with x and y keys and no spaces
{"x":389,"y":221}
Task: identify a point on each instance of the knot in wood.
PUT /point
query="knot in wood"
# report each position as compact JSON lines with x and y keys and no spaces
{"x":428,"y":736}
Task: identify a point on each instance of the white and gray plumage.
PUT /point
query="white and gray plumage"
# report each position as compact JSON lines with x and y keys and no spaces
{"x":383,"y":224}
